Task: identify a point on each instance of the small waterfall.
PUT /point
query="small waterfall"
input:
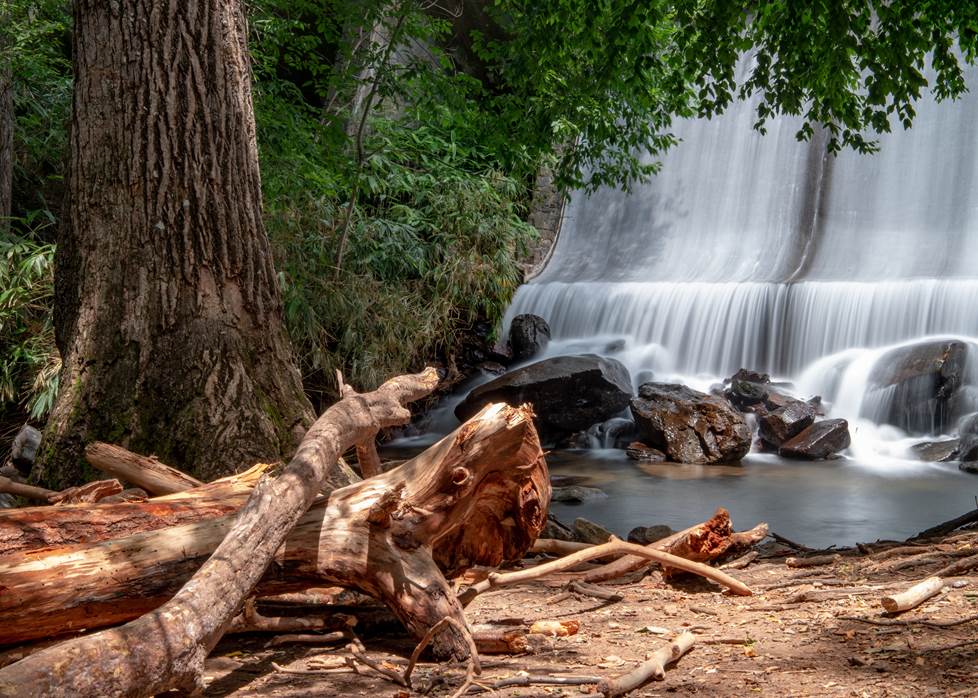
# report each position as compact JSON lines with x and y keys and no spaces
{"x":768,"y":253}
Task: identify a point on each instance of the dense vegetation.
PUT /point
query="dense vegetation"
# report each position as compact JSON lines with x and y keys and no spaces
{"x":399,"y":140}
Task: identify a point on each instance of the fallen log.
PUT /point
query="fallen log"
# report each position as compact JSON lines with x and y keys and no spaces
{"x":20,"y":489}
{"x":144,"y":472}
{"x":479,"y":496}
{"x":912,"y":597}
{"x":31,"y":528}
{"x":653,"y":668}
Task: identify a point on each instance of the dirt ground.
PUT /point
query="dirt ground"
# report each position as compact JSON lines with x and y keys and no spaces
{"x":794,"y":637}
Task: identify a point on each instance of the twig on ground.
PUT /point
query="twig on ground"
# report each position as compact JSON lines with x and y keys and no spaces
{"x":653,"y":667}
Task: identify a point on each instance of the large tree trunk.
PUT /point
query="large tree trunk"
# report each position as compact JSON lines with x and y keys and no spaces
{"x":477,"y":497}
{"x":167,"y":313}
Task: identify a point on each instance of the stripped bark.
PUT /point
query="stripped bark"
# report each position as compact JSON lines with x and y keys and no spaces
{"x":912,"y":597}
{"x":146,"y":473}
{"x":477,"y":497}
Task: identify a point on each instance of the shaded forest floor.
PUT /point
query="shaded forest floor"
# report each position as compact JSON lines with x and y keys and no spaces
{"x":795,"y":637}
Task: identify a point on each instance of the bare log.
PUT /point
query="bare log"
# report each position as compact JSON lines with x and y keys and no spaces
{"x":701,"y":543}
{"x":958,"y":568}
{"x":615,"y":545}
{"x":653,"y":668}
{"x":144,"y":472}
{"x":914,"y":596}
{"x":31,"y":528}
{"x":88,"y":493}
{"x":480,"y":493}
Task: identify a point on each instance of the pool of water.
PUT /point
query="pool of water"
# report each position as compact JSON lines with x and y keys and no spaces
{"x":818,"y":504}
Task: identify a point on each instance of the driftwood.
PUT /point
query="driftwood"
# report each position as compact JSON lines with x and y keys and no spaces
{"x":481,"y":493}
{"x":166,"y":648}
{"x":914,"y":596}
{"x":30,"y":528}
{"x":144,"y":472}
{"x":653,"y":668}
{"x":614,"y":546}
{"x":700,"y":543}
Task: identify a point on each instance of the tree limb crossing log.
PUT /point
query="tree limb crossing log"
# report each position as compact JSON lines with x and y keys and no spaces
{"x":477,"y":497}
{"x":166,"y":648}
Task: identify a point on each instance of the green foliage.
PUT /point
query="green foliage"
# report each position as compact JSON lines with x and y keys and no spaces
{"x":29,"y":362}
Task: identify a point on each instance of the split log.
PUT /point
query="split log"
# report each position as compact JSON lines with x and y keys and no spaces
{"x":89,"y":493}
{"x":914,"y":596}
{"x":479,"y":496}
{"x":144,"y":472}
{"x":700,"y":543}
{"x":31,"y":528}
{"x":653,"y":668}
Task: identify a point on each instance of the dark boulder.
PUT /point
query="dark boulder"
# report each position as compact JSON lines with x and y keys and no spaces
{"x":745,"y":374}
{"x":690,"y":426}
{"x":911,"y":387}
{"x":568,"y":393}
{"x":936,"y":451}
{"x":589,"y":532}
{"x":24,"y":449}
{"x":819,"y":441}
{"x":778,"y":426}
{"x":575,"y":494}
{"x":528,"y":336}
{"x":745,"y":395}
{"x":556,"y":530}
{"x":636,"y":450}
{"x":968,"y":425}
{"x":967,"y":449}
{"x":645,"y":535}
{"x":969,"y":467}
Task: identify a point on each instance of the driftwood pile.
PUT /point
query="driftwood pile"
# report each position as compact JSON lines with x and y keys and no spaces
{"x":181,"y":562}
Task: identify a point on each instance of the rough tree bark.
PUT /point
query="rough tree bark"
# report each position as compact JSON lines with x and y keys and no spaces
{"x":167,"y":647}
{"x":167,"y":313}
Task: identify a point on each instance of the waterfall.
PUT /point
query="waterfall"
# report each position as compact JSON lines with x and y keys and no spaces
{"x":764,"y":252}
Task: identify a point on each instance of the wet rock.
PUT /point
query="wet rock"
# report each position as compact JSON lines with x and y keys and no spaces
{"x":492,"y":367}
{"x":967,"y":449}
{"x":646,"y":454}
{"x":614,"y":346}
{"x":568,"y":480}
{"x":968,"y":425}
{"x":645,"y":535}
{"x":24,"y":449}
{"x":935,"y":451}
{"x":575,"y":494}
{"x":690,"y":426}
{"x":969,"y":467}
{"x":778,"y":426}
{"x":745,"y":394}
{"x":568,"y":393}
{"x":746,"y":374}
{"x":819,"y":441}
{"x":609,"y":434}
{"x":590,"y":532}
{"x":912,"y":386}
{"x":556,"y":530}
{"x":528,"y":336}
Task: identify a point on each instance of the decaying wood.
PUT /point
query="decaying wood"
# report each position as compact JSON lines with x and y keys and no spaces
{"x":653,"y":668}
{"x":480,"y":493}
{"x":914,"y":596}
{"x":30,"y":528}
{"x":367,"y":456}
{"x":166,"y":648}
{"x":21,"y":489}
{"x":614,"y":546}
{"x":958,"y":568}
{"x":813,"y":561}
{"x":144,"y":472}
{"x":700,"y":543}
{"x":88,"y":493}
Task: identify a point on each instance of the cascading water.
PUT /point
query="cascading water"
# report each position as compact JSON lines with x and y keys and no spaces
{"x":768,"y":253}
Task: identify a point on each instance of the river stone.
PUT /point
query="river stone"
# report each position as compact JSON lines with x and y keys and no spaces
{"x":914,"y":385}
{"x":935,"y":451}
{"x":968,"y":425}
{"x":746,"y":394}
{"x":690,"y":426}
{"x":819,"y":441}
{"x":778,"y":426}
{"x":589,"y":532}
{"x":528,"y":336}
{"x":24,"y":449}
{"x":645,"y":535}
{"x":575,"y":494}
{"x":636,"y":450}
{"x":967,"y":448}
{"x":568,"y":393}
{"x":969,"y":467}
{"x":745,"y":374}
{"x":556,"y":530}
